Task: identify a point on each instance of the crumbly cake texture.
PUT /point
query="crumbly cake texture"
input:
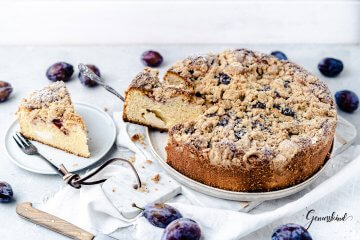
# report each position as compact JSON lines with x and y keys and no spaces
{"x":267,"y":124}
{"x":56,"y":92}
{"x":48,"y":116}
{"x":150,"y":102}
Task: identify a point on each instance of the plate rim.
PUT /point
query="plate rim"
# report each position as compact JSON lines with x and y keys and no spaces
{"x":51,"y":172}
{"x":240,"y":196}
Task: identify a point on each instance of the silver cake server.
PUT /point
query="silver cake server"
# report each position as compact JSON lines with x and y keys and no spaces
{"x":90,"y":74}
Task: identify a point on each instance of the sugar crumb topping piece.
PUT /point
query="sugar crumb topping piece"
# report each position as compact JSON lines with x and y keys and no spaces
{"x":147,"y":79}
{"x":132,"y":159}
{"x":143,"y":188}
{"x":138,"y":137}
{"x":49,"y":94}
{"x":156,"y":178}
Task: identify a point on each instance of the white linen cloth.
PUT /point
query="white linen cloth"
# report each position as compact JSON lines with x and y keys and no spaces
{"x":91,"y":209}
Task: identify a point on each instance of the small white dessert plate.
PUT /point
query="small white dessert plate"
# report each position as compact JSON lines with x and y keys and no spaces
{"x":102,"y":134}
{"x":344,"y":137}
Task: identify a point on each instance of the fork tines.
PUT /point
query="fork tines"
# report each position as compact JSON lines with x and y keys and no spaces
{"x":21,"y":140}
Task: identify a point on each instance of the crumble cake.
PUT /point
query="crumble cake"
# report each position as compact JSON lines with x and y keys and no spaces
{"x":260,"y":124}
{"x":48,"y":116}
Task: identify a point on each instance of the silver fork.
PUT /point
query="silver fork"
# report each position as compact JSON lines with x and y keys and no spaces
{"x":28,"y":148}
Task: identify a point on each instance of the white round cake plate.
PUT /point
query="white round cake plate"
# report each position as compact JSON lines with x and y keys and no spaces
{"x":345,"y":135}
{"x":101,"y":134}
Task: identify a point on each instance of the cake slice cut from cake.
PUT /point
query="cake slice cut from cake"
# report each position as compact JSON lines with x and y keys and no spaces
{"x":48,"y":116}
{"x":155,"y":104}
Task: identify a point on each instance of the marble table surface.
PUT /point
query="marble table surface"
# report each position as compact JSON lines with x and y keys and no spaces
{"x":24,"y":67}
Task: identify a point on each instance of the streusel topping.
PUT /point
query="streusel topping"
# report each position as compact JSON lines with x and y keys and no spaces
{"x":261,"y":108}
{"x":148,"y":80}
{"x":44,"y":97}
{"x":52,"y":104}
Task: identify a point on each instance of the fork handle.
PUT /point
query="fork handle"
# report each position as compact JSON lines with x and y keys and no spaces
{"x":61,"y":169}
{"x":68,"y":177}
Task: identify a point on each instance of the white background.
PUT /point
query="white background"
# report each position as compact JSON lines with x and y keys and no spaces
{"x":158,"y":22}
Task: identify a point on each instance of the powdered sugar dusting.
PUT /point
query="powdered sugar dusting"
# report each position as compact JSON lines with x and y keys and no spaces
{"x":52,"y":93}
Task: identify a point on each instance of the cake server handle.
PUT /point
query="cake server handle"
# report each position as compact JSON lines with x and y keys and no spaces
{"x":27,"y":211}
{"x":90,"y":74}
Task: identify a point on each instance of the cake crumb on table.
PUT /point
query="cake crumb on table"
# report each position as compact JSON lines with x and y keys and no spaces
{"x":143,"y":188}
{"x":114,"y":190}
{"x":148,"y":161}
{"x":156,"y":178}
{"x":132,"y":159}
{"x":138,"y":137}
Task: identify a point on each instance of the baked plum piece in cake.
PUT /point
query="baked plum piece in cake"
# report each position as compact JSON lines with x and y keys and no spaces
{"x":48,"y":116}
{"x":155,"y":104}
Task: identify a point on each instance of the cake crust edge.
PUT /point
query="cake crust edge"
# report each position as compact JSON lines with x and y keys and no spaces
{"x":258,"y":178}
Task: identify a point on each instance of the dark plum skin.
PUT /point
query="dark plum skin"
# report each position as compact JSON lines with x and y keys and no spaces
{"x":223,"y":121}
{"x":224,"y":79}
{"x":290,"y":231}
{"x":5,"y":90}
{"x":6,"y":192}
{"x":182,"y":229}
{"x":60,"y":71}
{"x":160,"y":214}
{"x":330,"y":67}
{"x":347,"y":100}
{"x":151,"y":58}
{"x":279,"y":55}
{"x":87,"y":81}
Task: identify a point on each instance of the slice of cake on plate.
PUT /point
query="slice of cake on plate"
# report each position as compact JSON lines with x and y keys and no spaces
{"x":48,"y":116}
